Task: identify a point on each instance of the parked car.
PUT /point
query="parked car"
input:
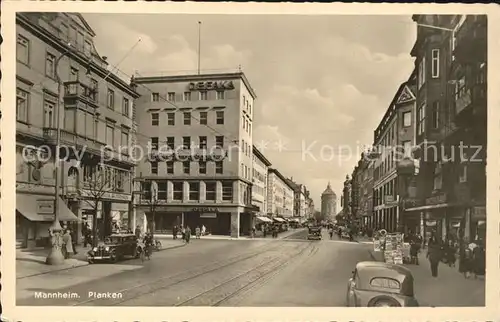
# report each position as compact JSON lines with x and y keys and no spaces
{"x":114,"y":248}
{"x":314,"y":233}
{"x":377,"y":284}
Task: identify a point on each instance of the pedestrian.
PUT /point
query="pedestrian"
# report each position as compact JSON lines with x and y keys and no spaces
{"x":479,"y":260}
{"x":434,"y":253}
{"x":203,"y":230}
{"x":330,"y":231}
{"x":174,"y":231}
{"x":183,"y":231}
{"x":414,"y":248}
{"x":450,"y":253}
{"x":188,"y":234}
{"x":254,"y":230}
{"x":67,"y":244}
{"x":197,"y":232}
{"x":73,"y":241}
{"x":138,"y":232}
{"x":264,"y":230}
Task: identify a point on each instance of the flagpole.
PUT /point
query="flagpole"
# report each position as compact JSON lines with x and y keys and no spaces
{"x":199,"y":45}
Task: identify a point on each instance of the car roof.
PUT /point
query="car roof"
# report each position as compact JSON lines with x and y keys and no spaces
{"x":121,"y":235}
{"x":383,"y":266}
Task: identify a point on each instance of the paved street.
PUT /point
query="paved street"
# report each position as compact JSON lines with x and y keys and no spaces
{"x":219,"y":272}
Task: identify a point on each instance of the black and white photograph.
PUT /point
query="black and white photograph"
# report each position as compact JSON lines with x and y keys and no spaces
{"x":253,"y":160}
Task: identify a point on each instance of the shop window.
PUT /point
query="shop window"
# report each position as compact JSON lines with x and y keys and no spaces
{"x":211,"y":190}
{"x":227,"y":191}
{"x":194,"y":191}
{"x":178,"y":190}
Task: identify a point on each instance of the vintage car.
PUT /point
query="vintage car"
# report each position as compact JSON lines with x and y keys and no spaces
{"x":377,"y":284}
{"x":114,"y":248}
{"x":314,"y":233}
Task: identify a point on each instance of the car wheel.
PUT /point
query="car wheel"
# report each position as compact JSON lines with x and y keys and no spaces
{"x":384,"y":301}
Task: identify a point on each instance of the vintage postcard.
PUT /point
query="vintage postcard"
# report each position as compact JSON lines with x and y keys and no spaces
{"x":197,"y":161}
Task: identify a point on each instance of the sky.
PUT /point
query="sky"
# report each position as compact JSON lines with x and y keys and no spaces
{"x":323,"y":82}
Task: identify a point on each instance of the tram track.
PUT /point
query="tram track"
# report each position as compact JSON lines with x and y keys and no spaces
{"x":243,"y":282}
{"x":137,"y":291}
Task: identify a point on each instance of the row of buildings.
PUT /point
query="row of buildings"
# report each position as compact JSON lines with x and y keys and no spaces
{"x":426,"y":171}
{"x":152,"y":153}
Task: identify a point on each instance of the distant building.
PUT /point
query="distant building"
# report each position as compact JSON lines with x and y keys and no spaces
{"x":260,"y":181}
{"x":300,"y":207}
{"x":328,"y":203}
{"x":280,"y":195}
{"x":207,"y":120}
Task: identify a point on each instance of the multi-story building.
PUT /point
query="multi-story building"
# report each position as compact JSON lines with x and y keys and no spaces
{"x":362,"y":187}
{"x":393,"y":140}
{"x":328,"y":203}
{"x":451,"y":56}
{"x":96,"y":120}
{"x":299,"y":203}
{"x":260,"y":168}
{"x":280,"y":195}
{"x":309,"y":205}
{"x":199,"y":132}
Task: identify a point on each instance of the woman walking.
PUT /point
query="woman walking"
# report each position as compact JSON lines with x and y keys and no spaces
{"x":68,"y":244}
{"x":479,"y":260}
{"x":434,"y":254}
{"x":187,"y":234}
{"x":198,"y":232}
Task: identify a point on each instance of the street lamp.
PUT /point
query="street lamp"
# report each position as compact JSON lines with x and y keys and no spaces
{"x":55,"y":256}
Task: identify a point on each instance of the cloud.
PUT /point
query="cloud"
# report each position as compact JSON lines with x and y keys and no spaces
{"x":324,"y":81}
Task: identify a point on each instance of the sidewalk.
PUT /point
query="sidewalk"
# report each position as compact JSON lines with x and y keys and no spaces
{"x":450,"y":288}
{"x":259,"y":236}
{"x":32,"y":262}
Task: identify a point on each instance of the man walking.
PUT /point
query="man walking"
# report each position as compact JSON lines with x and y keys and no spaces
{"x":434,"y":253}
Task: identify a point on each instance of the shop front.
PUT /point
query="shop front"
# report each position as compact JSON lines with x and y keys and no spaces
{"x":34,"y":216}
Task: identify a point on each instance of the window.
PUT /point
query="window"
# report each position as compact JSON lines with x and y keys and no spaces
{"x":187,"y":96}
{"x":220,"y":117}
{"x":435,"y":115}
{"x":50,"y":65}
{"x":383,"y":282}
{"x":219,"y":141}
{"x":421,"y":73}
{"x":125,"y":107}
{"x":194,"y":191}
{"x":203,"y":96}
{"x":110,"y":135}
{"x":435,"y":63}
{"x":460,"y":89}
{"x":186,"y":167}
{"x":186,"y":142}
{"x":406,"y":119}
{"x":171,"y":142}
{"x":171,"y":96}
{"x":155,"y":119}
{"x":94,"y":87}
{"x":407,"y":148}
{"x":211,"y":190}
{"x":156,"y":97}
{"x":162,"y":190}
{"x":250,"y":129}
{"x":227,"y":191}
{"x":111,"y":99}
{"x":243,"y":121}
{"x":178,"y":190}
{"x":23,"y":50}
{"x":203,"y":142}
{"x":88,"y":48}
{"x":463,"y":174}
{"x":203,"y":118}
{"x":438,"y":182}
{"x":124,"y":140}
{"x":187,"y":118}
{"x":421,"y":120}
{"x":48,"y":110}
{"x":22,"y":104}
{"x":154,"y":167}
{"x":202,"y":167}
{"x":219,"y":169}
{"x":170,"y":167}
{"x":73,"y":74}
{"x":220,"y":95}
{"x":79,"y":40}
{"x":154,"y":143}
{"x":170,"y":118}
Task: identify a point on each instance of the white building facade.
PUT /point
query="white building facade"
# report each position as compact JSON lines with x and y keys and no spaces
{"x":260,"y":181}
{"x":280,"y":195}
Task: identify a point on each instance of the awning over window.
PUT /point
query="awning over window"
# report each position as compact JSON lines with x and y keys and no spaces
{"x":40,"y":208}
{"x":279,"y":219}
{"x":264,"y":219}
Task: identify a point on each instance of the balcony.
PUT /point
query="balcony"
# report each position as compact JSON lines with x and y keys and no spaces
{"x":471,"y":101}
{"x":75,"y":92}
{"x":471,"y":40}
{"x":73,"y":139}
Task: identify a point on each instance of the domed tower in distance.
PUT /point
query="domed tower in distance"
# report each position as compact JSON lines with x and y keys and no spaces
{"x":328,"y":203}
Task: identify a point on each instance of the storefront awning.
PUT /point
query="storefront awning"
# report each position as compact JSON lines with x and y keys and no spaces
{"x":40,"y":208}
{"x":264,"y":219}
{"x":429,"y":207}
{"x":279,"y":219}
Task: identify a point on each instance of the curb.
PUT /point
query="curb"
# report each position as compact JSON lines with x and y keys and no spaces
{"x":85,"y":264}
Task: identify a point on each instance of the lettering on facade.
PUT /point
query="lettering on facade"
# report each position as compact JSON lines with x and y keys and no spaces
{"x":217,"y":85}
{"x":205,"y":209}
{"x":439,"y":199}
